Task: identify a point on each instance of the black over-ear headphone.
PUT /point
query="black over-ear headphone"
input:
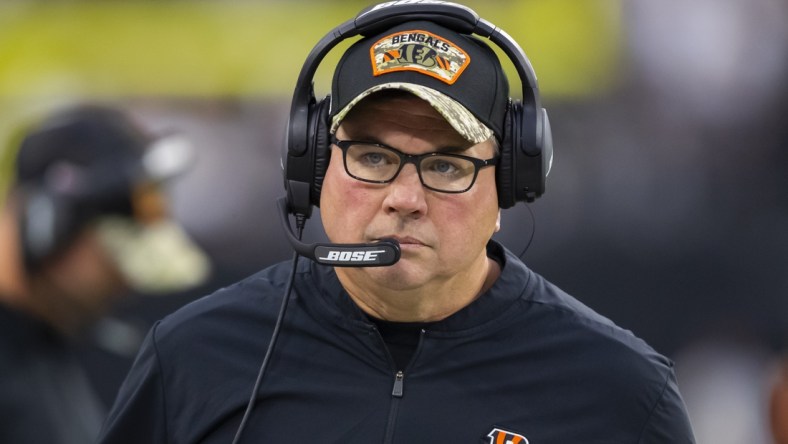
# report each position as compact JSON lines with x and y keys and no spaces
{"x":52,"y":212}
{"x":526,"y":149}
{"x":48,"y":222}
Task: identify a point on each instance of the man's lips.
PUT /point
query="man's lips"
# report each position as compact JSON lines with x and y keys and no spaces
{"x":404,"y":240}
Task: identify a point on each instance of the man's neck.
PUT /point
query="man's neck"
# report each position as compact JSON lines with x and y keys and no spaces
{"x":429,"y":303}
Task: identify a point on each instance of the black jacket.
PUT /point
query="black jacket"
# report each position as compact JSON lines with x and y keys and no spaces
{"x":45,"y":396}
{"x":524,"y":359}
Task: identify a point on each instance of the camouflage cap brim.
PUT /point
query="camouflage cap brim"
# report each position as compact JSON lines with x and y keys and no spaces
{"x":462,"y":120}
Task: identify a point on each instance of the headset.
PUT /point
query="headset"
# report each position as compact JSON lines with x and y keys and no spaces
{"x":526,"y":149}
{"x":52,"y":212}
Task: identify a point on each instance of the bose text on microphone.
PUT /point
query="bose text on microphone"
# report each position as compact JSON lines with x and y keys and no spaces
{"x":377,"y":254}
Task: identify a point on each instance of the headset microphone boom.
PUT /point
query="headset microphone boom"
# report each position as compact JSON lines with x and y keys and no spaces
{"x":376,"y":254}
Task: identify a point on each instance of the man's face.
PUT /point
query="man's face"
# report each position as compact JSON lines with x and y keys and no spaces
{"x":440,"y":234}
{"x":80,"y":283}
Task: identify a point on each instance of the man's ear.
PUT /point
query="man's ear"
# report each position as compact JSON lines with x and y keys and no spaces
{"x":498,"y":221}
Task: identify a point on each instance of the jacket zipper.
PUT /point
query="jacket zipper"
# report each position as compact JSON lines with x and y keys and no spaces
{"x":397,"y":392}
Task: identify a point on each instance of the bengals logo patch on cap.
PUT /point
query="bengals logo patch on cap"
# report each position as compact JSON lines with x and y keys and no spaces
{"x":419,"y":51}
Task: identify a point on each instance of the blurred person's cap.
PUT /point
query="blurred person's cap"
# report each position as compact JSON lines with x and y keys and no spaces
{"x":97,"y":151}
{"x":459,"y":75}
{"x":86,"y":135}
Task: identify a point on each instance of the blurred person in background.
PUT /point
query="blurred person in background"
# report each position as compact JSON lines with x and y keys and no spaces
{"x":83,"y":219}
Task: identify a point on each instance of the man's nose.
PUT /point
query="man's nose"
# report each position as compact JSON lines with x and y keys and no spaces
{"x":406,"y":194}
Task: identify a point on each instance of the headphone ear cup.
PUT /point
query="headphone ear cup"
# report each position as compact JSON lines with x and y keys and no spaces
{"x":321,"y":147}
{"x":547,"y":146}
{"x":524,"y":165}
{"x":505,"y":170}
{"x":47,"y":224}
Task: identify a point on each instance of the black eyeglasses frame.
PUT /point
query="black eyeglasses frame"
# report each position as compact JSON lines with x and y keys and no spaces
{"x":415,"y":159}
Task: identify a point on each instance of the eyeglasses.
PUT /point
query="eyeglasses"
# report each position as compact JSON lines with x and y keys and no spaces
{"x":378,"y":163}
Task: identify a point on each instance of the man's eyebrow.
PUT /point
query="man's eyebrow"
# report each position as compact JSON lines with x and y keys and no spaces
{"x":451,"y":149}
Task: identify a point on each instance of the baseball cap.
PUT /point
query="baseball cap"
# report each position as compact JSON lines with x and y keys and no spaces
{"x":97,"y":151}
{"x":458,"y":74}
{"x":85,"y":135}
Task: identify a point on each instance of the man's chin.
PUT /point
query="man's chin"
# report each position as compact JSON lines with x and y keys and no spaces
{"x":403,"y":276}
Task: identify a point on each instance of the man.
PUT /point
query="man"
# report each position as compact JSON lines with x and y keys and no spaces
{"x":83,"y":219}
{"x":458,"y":341}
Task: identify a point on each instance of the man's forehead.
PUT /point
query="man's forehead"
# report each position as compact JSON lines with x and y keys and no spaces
{"x":419,"y":121}
{"x":400,"y":109}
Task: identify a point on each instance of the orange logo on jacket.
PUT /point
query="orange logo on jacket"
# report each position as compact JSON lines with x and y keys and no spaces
{"x":498,"y":436}
{"x":419,"y":51}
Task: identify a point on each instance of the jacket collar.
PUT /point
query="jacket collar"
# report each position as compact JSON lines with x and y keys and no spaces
{"x":324,"y":289}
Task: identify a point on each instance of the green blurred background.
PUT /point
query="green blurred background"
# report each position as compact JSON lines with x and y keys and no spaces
{"x":214,"y":49}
